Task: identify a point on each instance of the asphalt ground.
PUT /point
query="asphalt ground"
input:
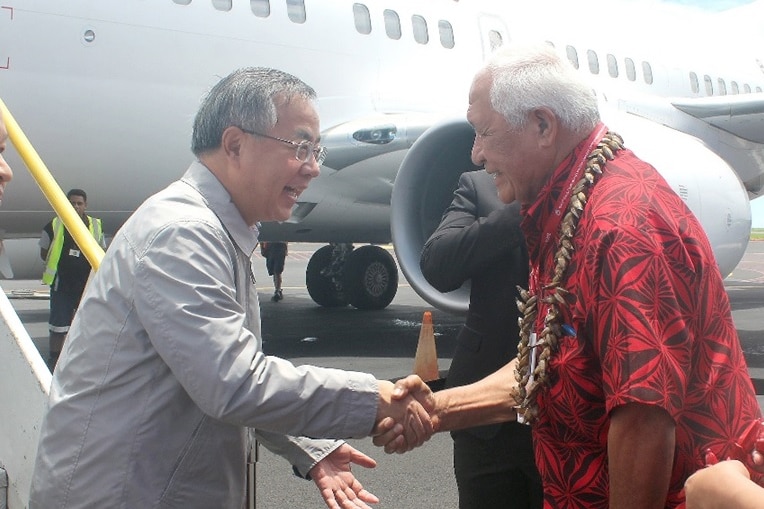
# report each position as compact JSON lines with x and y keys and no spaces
{"x":383,"y":343}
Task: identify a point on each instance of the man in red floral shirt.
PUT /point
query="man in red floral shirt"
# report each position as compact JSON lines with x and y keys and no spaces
{"x":630,"y":367}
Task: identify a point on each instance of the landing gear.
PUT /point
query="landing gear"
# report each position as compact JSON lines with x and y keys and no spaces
{"x":371,"y":278}
{"x":366,"y":278}
{"x":323,"y":276}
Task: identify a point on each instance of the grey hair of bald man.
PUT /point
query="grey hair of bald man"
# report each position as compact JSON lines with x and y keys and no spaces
{"x":246,"y":98}
{"x":526,"y":76}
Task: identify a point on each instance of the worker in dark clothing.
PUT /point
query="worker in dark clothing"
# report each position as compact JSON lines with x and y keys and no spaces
{"x":479,"y":239}
{"x":66,"y":271}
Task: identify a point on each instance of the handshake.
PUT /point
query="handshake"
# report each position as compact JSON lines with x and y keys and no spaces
{"x":409,"y":413}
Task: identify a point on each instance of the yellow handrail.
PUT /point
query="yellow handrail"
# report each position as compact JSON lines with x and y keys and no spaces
{"x":50,"y":188}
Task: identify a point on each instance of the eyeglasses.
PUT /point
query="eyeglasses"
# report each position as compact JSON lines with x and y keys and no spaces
{"x":303,"y":149}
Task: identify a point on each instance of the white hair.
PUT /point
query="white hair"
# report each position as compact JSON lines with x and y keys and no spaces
{"x":532,"y":75}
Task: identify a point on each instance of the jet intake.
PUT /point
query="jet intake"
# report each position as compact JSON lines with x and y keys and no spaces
{"x":423,"y":189}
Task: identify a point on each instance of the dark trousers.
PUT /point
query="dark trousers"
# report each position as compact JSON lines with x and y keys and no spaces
{"x":499,"y":472}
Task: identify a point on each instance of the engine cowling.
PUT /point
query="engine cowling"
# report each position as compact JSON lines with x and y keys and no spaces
{"x":424,"y":187}
{"x":429,"y":173}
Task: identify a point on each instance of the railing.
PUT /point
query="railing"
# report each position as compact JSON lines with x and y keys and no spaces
{"x":52,"y":191}
{"x":24,"y":377}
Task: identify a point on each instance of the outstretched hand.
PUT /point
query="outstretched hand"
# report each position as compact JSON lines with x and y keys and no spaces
{"x":337,"y":484}
{"x":391,"y":432}
{"x":725,"y":484}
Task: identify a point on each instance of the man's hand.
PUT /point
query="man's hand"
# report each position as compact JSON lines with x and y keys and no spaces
{"x":487,"y":401}
{"x":389,"y":432}
{"x":337,"y":484}
{"x":404,"y":419}
{"x":725,"y":484}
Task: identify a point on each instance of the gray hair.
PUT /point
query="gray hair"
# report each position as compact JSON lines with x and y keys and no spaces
{"x":532,"y":75}
{"x":245,"y":98}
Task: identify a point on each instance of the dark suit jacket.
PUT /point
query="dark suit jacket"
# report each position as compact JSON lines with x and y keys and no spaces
{"x":479,"y":239}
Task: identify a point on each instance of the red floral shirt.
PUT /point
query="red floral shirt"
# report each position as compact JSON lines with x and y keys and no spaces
{"x":653,"y":326}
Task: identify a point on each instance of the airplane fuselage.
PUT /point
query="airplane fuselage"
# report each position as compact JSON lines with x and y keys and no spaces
{"x":106,"y":91}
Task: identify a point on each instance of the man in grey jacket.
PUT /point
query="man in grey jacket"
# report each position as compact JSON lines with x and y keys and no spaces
{"x":163,"y":369}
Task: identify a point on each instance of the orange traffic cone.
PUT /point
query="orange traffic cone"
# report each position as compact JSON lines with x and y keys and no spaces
{"x":426,"y":359}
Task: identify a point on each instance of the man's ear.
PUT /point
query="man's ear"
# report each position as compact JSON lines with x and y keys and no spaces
{"x":547,"y":126}
{"x":231,"y":141}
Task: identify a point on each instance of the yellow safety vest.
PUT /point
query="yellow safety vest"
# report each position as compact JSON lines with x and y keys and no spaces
{"x":57,"y":245}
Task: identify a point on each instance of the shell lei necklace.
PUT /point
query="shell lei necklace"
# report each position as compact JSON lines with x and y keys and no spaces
{"x":533,"y":353}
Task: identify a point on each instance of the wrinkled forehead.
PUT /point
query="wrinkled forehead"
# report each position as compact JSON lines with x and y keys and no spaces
{"x":299,"y":118}
{"x":480,"y":95}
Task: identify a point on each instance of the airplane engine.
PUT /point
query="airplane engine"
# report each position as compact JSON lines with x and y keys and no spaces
{"x":429,"y":174}
{"x":424,"y":187}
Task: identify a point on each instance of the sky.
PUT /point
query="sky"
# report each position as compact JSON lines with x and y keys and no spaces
{"x":711,"y":5}
{"x":757,"y":213}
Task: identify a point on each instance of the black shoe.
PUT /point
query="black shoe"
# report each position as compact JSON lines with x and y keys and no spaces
{"x":277,"y":296}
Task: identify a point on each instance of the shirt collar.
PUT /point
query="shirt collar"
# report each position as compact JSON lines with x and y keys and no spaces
{"x":219,"y":201}
{"x":540,"y":211}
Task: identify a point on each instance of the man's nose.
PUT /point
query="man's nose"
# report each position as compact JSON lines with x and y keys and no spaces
{"x":314,"y":169}
{"x":6,"y":173}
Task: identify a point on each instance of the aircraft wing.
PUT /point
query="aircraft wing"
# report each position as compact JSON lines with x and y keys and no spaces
{"x":731,"y":126}
{"x":741,"y":115}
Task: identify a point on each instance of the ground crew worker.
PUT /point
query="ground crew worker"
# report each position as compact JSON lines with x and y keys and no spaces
{"x":66,"y":271}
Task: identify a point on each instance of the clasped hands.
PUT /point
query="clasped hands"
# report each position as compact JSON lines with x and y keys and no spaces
{"x":405,"y":416}
{"x":409,"y":413}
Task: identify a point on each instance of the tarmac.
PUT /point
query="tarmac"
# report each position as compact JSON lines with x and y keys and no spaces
{"x":383,"y":343}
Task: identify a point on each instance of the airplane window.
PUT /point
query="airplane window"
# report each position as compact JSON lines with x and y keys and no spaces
{"x":420,"y":29}
{"x":572,"y":55}
{"x":495,"y":39}
{"x":722,"y":87}
{"x":735,"y":89}
{"x":296,"y":10}
{"x":746,"y":88}
{"x":631,"y":71}
{"x":647,"y":71}
{"x":182,"y":2}
{"x":362,"y":18}
{"x":392,"y":24}
{"x":446,"y":34}
{"x":612,"y":66}
{"x":709,"y":85}
{"x":694,"y":85}
{"x":594,"y":62}
{"x":222,"y":5}
{"x":260,"y":8}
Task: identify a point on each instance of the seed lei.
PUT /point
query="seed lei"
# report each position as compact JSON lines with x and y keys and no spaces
{"x":556,"y":295}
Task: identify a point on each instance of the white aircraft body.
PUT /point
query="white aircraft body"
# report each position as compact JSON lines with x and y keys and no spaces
{"x":106,"y":91}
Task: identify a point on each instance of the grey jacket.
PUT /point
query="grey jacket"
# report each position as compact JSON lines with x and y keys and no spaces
{"x":163,"y":369}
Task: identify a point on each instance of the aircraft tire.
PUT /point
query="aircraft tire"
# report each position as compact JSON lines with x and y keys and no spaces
{"x":370,"y":280}
{"x":320,"y":287}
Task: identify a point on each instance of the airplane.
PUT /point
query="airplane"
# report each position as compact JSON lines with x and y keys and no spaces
{"x":106,"y":91}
